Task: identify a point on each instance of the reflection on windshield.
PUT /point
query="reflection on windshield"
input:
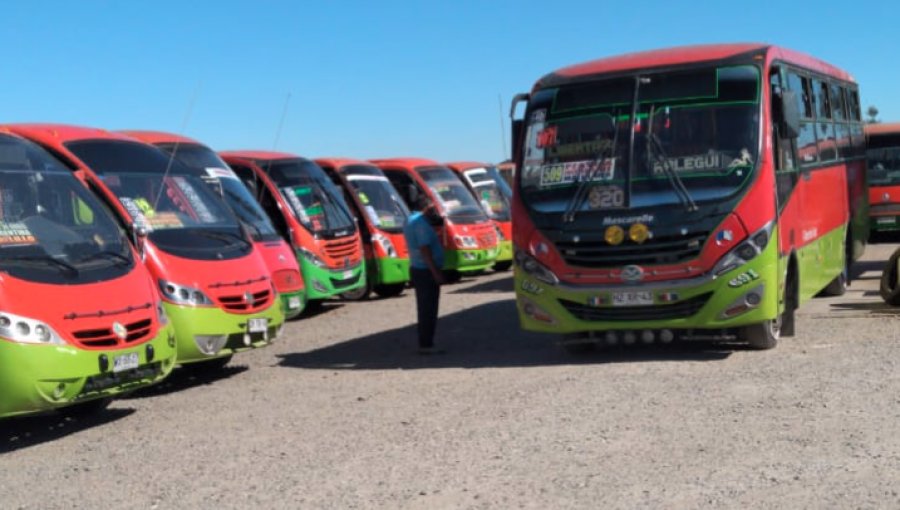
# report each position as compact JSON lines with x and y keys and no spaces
{"x":313,"y":198}
{"x":380,"y":201}
{"x":699,"y":128}
{"x":884,"y":165}
{"x":455,"y":199}
{"x":488,"y":192}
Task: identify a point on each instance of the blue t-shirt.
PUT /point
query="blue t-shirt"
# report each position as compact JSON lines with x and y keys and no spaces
{"x":418,"y":232}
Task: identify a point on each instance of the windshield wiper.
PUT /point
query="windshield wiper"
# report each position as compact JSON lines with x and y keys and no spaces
{"x":108,"y":254}
{"x":224,"y":236}
{"x":45,"y":259}
{"x":657,"y":153}
{"x":581,"y":192}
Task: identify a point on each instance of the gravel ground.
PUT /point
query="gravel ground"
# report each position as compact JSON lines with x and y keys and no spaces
{"x":341,"y":413}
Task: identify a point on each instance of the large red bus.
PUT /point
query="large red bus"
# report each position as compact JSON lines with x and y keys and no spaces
{"x":883,"y":158}
{"x":694,"y":192}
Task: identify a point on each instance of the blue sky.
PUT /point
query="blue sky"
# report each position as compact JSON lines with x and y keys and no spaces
{"x":377,"y":78}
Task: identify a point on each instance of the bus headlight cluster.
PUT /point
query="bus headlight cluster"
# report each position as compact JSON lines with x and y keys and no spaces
{"x":465,"y":242}
{"x":182,"y":294}
{"x":746,"y":251}
{"x":385,"y":244}
{"x":534,"y":268}
{"x":25,"y":330}
{"x":311,"y":257}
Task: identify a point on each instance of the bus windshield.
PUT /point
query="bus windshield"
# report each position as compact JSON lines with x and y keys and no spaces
{"x":378,"y":198}
{"x":455,"y":200}
{"x":223,"y":181}
{"x":694,"y":139}
{"x":182,"y":215}
{"x":313,"y":198}
{"x":883,"y":160}
{"x":52,"y":230}
{"x":488,"y":191}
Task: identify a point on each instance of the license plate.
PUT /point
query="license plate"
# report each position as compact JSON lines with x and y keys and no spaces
{"x":294,"y":302}
{"x":124,"y":362}
{"x":632,"y":298}
{"x":258,"y":325}
{"x":348,"y":274}
{"x":886,"y":221}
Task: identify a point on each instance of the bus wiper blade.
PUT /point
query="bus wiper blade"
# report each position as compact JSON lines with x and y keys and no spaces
{"x":46,"y":259}
{"x":581,"y":192}
{"x":657,"y":153}
{"x":108,"y":254}
{"x":224,"y":236}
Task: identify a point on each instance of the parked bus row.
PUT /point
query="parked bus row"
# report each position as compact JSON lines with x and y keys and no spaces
{"x":123,"y":254}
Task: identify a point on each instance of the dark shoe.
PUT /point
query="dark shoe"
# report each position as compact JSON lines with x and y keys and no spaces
{"x":428,"y":351}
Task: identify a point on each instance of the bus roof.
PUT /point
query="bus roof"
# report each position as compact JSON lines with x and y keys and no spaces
{"x":155,"y":137}
{"x":406,"y":162}
{"x":889,"y":128}
{"x":338,"y":162}
{"x":686,"y":55}
{"x":260,"y":155}
{"x":462,"y":166}
{"x":61,"y":133}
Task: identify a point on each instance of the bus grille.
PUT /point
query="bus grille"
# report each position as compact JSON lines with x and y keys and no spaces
{"x":660,"y":250}
{"x":679,"y":310}
{"x":240,"y":303}
{"x":340,"y":248}
{"x":105,"y":337}
{"x":346,"y":281}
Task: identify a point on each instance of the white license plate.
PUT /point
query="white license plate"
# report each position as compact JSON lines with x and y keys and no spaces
{"x":294,"y":302}
{"x":348,"y":274}
{"x":126,"y":362}
{"x":632,"y":298}
{"x":886,"y":221}
{"x":258,"y":325}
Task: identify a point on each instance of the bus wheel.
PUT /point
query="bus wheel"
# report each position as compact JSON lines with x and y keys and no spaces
{"x":356,"y":294}
{"x":763,"y":335}
{"x":502,"y":265}
{"x":889,"y":289}
{"x":390,"y":289}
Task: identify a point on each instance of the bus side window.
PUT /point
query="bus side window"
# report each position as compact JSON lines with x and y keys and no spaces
{"x":825,"y":129}
{"x":270,"y":205}
{"x":807,"y":150}
{"x":403,"y":184}
{"x":248,"y":177}
{"x":783,"y":147}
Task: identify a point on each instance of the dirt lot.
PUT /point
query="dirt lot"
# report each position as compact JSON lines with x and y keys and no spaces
{"x":341,"y":413}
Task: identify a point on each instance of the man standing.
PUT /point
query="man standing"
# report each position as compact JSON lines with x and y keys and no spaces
{"x":426,"y":258}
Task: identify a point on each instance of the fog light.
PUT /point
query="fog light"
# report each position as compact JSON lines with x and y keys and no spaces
{"x":753,"y":299}
{"x":319,"y":286}
{"x":151,"y":352}
{"x":171,"y":340}
{"x":103,"y":362}
{"x":536,"y":312}
{"x":59,"y":391}
{"x":210,"y":344}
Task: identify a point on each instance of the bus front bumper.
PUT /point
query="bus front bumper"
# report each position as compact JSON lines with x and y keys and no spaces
{"x":323,"y":283}
{"x":469,"y":260}
{"x":391,"y":270}
{"x":293,"y":303}
{"x":37,"y":378}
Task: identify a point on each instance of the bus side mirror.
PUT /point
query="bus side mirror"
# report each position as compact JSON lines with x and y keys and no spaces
{"x":139,"y":236}
{"x":516,"y":136}
{"x":789,"y":123}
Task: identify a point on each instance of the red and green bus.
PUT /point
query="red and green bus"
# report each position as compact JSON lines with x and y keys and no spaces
{"x":381,"y":215}
{"x":80,"y":317}
{"x":214,"y":285}
{"x":276,"y":253}
{"x":488,"y":188}
{"x":883,"y":161}
{"x":468,"y":236}
{"x":309,"y":211}
{"x":698,"y":192}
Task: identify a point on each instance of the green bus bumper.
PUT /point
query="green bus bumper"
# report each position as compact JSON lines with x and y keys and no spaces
{"x":505,"y":252}
{"x":388,"y":270}
{"x":38,"y":378}
{"x":293,"y":304}
{"x":469,"y":260}
{"x":703,"y":302}
{"x":205,"y":333}
{"x":323,"y":283}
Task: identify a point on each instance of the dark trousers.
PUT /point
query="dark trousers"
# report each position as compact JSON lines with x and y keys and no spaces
{"x":428,"y":295}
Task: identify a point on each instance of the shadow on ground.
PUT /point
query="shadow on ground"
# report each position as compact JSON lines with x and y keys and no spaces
{"x":874,"y":308}
{"x":864,"y":266}
{"x":483,"y":336}
{"x":487,"y":287}
{"x":24,"y":432}
{"x":186,"y":377}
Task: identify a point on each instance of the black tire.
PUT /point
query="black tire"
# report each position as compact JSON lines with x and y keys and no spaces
{"x":390,"y":290}
{"x":764,"y":335}
{"x":89,"y":408}
{"x":452,"y":275}
{"x":890,"y":287}
{"x":502,"y":265}
{"x":356,"y":294}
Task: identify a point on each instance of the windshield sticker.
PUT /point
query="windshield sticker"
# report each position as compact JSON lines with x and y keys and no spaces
{"x":196,"y":203}
{"x":220,"y":173}
{"x":570,"y":150}
{"x":15,"y":234}
{"x":547,"y":137}
{"x":701,"y":162}
{"x":356,"y":177}
{"x":574,"y":171}
{"x":296,"y":204}
{"x":606,"y":197}
{"x":164,"y":220}
{"x":137,"y":211}
{"x":363,"y":197}
{"x":372,"y":214}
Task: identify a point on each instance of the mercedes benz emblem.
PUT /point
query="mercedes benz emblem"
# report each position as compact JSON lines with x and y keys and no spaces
{"x":119,"y":330}
{"x":632,"y":273}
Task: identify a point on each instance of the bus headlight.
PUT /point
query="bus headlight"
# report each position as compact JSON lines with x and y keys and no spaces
{"x":746,"y":251}
{"x":311,"y":257}
{"x":182,"y":294}
{"x":534,"y":268}
{"x":465,"y":242}
{"x":27,"y":331}
{"x":386,"y":245}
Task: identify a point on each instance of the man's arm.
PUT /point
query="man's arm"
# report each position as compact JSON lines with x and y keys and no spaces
{"x":429,"y":259}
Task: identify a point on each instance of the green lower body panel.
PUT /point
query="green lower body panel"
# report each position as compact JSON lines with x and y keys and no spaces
{"x":505,"y":251}
{"x":747,"y":294}
{"x":36,"y":378}
{"x":205,"y":333}
{"x":387,"y":271}
{"x":820,"y":262}
{"x":323,"y":283}
{"x":293,"y":303}
{"x":469,"y":260}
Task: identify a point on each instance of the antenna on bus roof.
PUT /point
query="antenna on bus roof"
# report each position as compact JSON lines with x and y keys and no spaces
{"x":505,"y":147}
{"x":181,"y":130}
{"x":284,"y":109}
